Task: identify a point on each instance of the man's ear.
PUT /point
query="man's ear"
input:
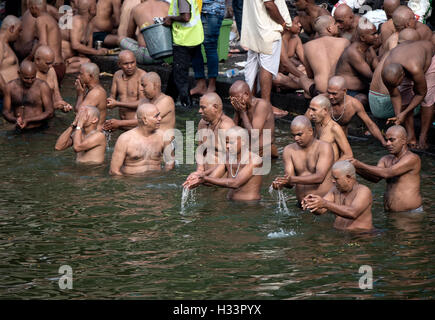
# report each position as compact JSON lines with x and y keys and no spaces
{"x":11,"y":29}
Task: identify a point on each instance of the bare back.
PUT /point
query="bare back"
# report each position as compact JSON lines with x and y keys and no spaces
{"x":8,"y":62}
{"x":48,"y":33}
{"x":322,"y":55}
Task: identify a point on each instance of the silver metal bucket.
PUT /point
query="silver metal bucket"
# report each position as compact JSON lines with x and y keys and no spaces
{"x":158,"y":39}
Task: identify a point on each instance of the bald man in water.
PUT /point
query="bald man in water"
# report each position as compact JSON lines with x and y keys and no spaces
{"x":359,"y":60}
{"x":319,"y":111}
{"x":347,"y":22}
{"x":27,"y":100}
{"x":126,"y":92}
{"x":151,"y":88}
{"x":238,"y":173}
{"x":44,"y":59}
{"x":321,"y":56}
{"x":400,"y":169}
{"x":77,"y":42}
{"x":143,"y":148}
{"x":82,"y":135}
{"x":48,"y":33}
{"x":213,"y":123}
{"x":9,"y":32}
{"x":345,"y":107}
{"x":348,"y":200}
{"x":90,"y":92}
{"x":253,"y":114}
{"x":409,"y":75}
{"x":307,"y":162}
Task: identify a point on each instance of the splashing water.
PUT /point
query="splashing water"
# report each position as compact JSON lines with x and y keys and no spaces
{"x":282,"y":206}
{"x":108,"y":135}
{"x":281,"y":234}
{"x":187,"y":193}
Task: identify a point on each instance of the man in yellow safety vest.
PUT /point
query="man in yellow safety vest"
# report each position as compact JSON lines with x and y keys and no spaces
{"x":187,"y":35}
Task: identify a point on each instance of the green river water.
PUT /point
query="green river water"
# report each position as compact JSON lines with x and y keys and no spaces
{"x":128,"y":238}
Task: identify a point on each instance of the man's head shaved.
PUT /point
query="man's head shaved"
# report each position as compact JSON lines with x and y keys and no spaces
{"x":126,"y":54}
{"x":408,"y":34}
{"x":238,"y":87}
{"x":28,"y":67}
{"x":92,"y":69}
{"x":337,"y":81}
{"x":391,"y":73}
{"x":364,"y":25}
{"x":93,"y":111}
{"x":10,"y":21}
{"x":398,"y":130}
{"x":343,"y":10}
{"x":213,"y":98}
{"x":402,"y":15}
{"x":44,"y":51}
{"x":322,"y":23}
{"x":153,"y":77}
{"x":345,"y":167}
{"x":322,"y":101}
{"x":145,"y":109}
{"x":301,"y":122}
{"x":390,"y":6}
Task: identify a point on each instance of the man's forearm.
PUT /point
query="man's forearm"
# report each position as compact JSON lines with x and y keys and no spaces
{"x":220,"y":182}
{"x":80,"y":98}
{"x":130,"y":105}
{"x":273,"y":12}
{"x":341,"y":210}
{"x":416,"y":100}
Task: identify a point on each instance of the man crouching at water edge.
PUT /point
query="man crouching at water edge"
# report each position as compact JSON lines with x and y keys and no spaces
{"x":237,"y":173}
{"x":143,"y":148}
{"x":400,"y":169}
{"x":28,"y":100}
{"x":307,"y":162}
{"x":88,"y":142}
{"x":350,"y":201}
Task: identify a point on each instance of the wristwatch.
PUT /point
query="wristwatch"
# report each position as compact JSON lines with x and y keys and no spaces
{"x":78,"y":128}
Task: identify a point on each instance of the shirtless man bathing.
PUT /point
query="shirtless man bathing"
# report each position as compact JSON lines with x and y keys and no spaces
{"x":44,"y":58}
{"x":126,"y":92}
{"x":151,"y":89}
{"x":401,"y":170}
{"x":253,"y":114}
{"x":143,"y":148}
{"x":238,"y":171}
{"x":82,"y":135}
{"x":90,"y":92}
{"x":27,"y":100}
{"x":105,"y":21}
{"x":319,"y":111}
{"x":348,"y":200}
{"x":307,"y":162}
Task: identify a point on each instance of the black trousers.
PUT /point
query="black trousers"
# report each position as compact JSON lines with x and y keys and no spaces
{"x":180,"y":72}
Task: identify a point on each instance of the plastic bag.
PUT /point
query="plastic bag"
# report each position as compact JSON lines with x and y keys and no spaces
{"x":376,"y":17}
{"x":422,"y":9}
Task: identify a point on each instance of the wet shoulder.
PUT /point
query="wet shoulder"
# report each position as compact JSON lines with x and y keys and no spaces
{"x":227,"y":122}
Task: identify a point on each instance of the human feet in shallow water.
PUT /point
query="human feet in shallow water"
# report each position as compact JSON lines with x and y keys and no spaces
{"x":279,"y":113}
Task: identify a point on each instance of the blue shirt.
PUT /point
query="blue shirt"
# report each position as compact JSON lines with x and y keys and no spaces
{"x":213,"y":7}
